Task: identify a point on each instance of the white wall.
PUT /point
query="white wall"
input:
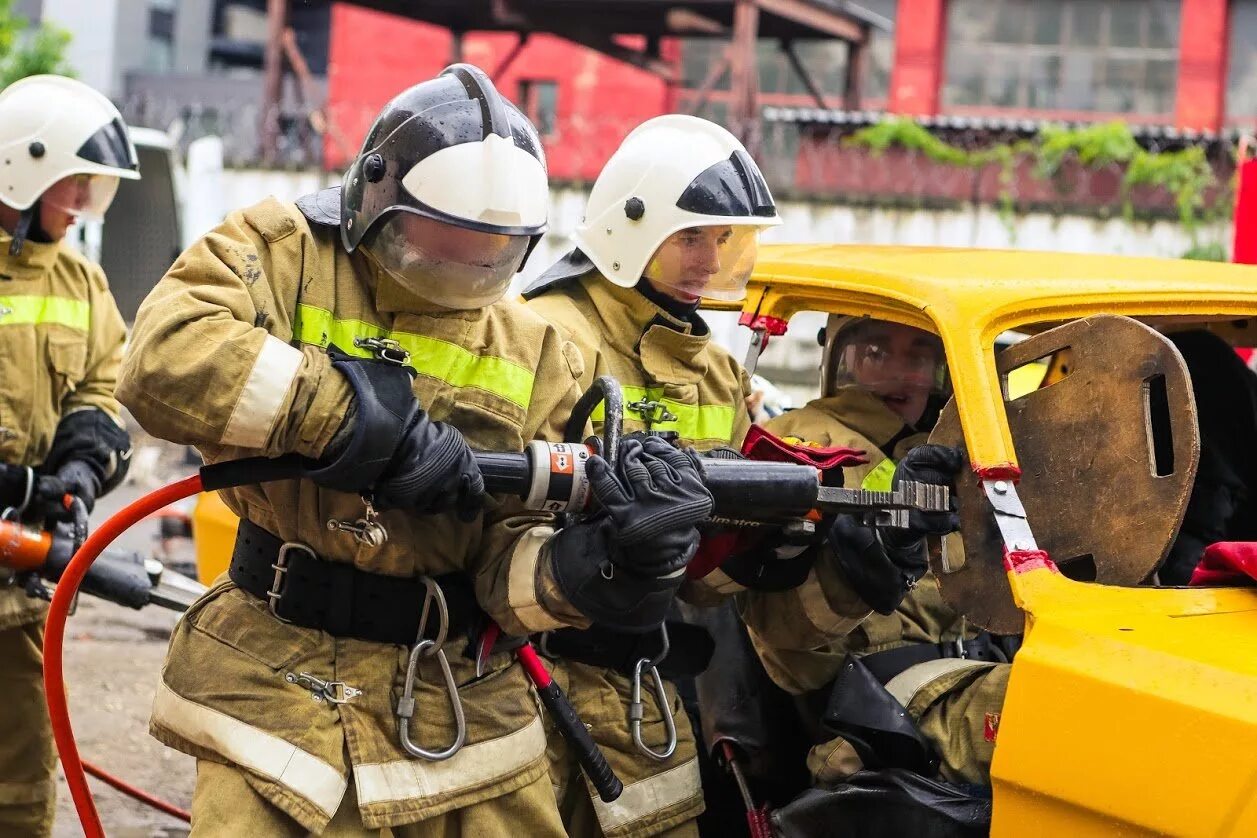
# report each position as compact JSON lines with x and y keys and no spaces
{"x":816,"y":222}
{"x":92,"y":51}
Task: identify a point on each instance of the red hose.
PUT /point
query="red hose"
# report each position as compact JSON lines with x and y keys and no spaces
{"x":54,"y":639}
{"x":137,"y":793}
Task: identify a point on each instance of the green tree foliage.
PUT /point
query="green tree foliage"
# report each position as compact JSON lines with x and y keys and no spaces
{"x":27,"y":52}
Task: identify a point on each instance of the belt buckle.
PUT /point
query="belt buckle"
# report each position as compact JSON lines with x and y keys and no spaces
{"x":280,"y":566}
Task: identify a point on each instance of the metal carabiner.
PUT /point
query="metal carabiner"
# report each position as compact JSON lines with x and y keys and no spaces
{"x":425,"y":648}
{"x":637,"y":708}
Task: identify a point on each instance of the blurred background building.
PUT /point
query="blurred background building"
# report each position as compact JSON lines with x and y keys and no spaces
{"x":1101,"y":125}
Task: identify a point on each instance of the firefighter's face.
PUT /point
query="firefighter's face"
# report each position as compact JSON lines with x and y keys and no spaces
{"x":704,"y":262}
{"x":899,"y":364}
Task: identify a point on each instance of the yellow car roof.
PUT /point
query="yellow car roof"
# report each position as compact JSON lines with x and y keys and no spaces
{"x":969,"y":296}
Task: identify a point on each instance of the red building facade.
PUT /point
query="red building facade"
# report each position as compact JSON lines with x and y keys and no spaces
{"x":582,"y":101}
{"x":1191,"y":64}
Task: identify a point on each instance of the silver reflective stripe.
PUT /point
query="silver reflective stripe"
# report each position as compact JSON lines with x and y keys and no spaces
{"x":653,"y":794}
{"x":474,"y":765}
{"x":521,"y":583}
{"x":908,"y":683}
{"x":249,"y":747}
{"x":263,"y":395}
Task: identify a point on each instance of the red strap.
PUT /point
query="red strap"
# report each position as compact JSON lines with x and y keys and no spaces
{"x":1229,"y":563}
{"x":713,"y":549}
{"x":761,"y":445}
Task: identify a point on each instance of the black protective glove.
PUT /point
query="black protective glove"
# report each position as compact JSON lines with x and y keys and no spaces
{"x":622,"y":567}
{"x":937,"y":465}
{"x":884,"y":563}
{"x":882,"y":576}
{"x":75,"y":479}
{"x":654,"y":498}
{"x":391,"y":449}
{"x":93,"y":439}
{"x":432,"y":471}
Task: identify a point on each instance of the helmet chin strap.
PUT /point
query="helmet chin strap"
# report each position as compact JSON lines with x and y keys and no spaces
{"x":22,"y":229}
{"x":27,"y":229}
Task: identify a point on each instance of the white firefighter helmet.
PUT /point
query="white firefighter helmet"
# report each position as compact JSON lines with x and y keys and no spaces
{"x":449,"y":194}
{"x":674,"y":173}
{"x":52,"y":127}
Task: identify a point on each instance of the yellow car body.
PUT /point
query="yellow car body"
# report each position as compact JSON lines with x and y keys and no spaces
{"x":1130,"y":711}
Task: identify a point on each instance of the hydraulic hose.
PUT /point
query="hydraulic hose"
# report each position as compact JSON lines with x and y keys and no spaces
{"x":219,"y":476}
{"x":212,"y":478}
{"x":54,"y":640}
{"x":137,"y":793}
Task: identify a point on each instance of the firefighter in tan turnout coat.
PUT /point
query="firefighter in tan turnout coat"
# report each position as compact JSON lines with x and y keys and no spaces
{"x":364,"y":328}
{"x":63,"y":148}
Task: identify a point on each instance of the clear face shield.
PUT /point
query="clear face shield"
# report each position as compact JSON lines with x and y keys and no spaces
{"x":82,"y":196}
{"x":713,"y":262}
{"x":900,"y":365}
{"x":450,"y":266}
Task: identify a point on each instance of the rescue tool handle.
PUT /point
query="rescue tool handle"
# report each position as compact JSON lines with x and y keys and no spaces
{"x":570,"y":727}
{"x":505,"y":473}
{"x":574,"y":732}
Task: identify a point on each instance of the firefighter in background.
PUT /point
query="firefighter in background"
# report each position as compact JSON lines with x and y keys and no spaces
{"x":883,"y":385}
{"x":63,"y":149}
{"x":364,"y":328}
{"x":674,"y":216}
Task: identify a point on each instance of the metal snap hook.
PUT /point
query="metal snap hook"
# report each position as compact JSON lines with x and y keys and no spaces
{"x":637,"y":708}
{"x":406,"y":705}
{"x":426,"y":648}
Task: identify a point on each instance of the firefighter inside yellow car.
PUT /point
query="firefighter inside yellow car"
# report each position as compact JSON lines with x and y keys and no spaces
{"x":63,"y":149}
{"x":674,"y":216}
{"x":364,"y":328}
{"x":883,"y":385}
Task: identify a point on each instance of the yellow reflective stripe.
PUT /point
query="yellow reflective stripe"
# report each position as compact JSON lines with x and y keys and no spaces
{"x":431,"y":356}
{"x":26,"y":309}
{"x":880,"y":478}
{"x":707,"y":421}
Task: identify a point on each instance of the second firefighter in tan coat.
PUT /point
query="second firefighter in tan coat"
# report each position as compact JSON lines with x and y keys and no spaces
{"x":673,"y":217}
{"x":882,"y":387}
{"x":277,"y":333}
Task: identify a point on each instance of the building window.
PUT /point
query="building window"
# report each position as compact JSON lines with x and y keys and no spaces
{"x":1241,"y":86}
{"x":540,"y":102}
{"x":160,"y":45}
{"x":1112,"y":56}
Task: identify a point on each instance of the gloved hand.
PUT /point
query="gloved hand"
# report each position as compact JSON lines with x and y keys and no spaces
{"x":74,"y":479}
{"x":884,"y":563}
{"x":432,"y":471}
{"x":622,"y":567}
{"x":653,"y":498}
{"x":392,"y":449}
{"x":937,"y":465}
{"x":881,"y":575}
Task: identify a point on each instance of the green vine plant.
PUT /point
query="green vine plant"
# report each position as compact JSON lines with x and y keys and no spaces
{"x":1185,"y":173}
